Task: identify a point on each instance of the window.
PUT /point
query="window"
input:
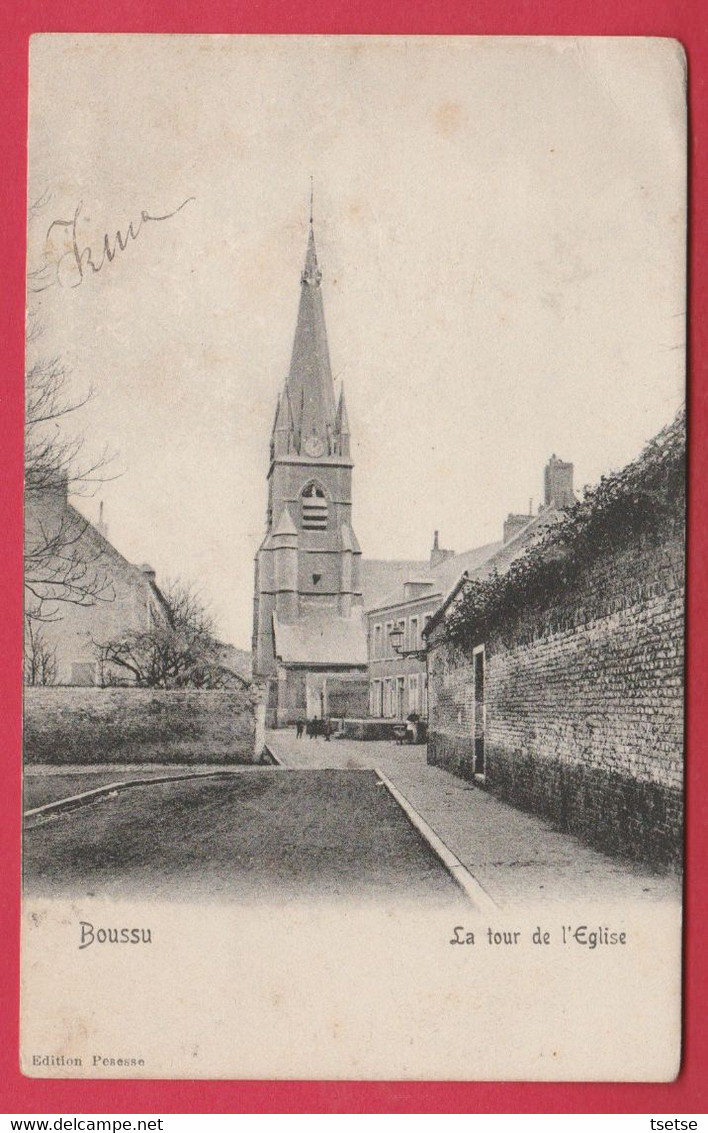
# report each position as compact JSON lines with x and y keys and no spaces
{"x":314,"y":508}
{"x":388,"y":648}
{"x":414,"y":636}
{"x":388,"y":699}
{"x":401,"y":625}
{"x":424,"y":696}
{"x":413,"y":693}
{"x":377,"y":647}
{"x":400,"y":708}
{"x":376,"y":699}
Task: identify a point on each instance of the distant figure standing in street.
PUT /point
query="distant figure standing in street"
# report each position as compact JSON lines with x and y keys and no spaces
{"x":299,"y":728}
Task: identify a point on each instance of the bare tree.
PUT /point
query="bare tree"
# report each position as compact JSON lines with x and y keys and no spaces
{"x":60,"y":564}
{"x":179,"y":652}
{"x":40,"y":659}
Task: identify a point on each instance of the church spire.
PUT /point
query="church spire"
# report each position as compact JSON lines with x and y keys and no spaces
{"x":311,"y":276}
{"x":309,"y":384}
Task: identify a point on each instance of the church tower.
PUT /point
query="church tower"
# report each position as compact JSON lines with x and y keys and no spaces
{"x":308,"y":602}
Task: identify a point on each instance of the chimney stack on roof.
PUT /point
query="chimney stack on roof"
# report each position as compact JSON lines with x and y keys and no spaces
{"x":439,"y":554}
{"x":558,"y":483}
{"x":101,"y":526}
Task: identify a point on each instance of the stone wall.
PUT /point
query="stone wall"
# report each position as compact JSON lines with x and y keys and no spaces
{"x":125,"y":725}
{"x":583,"y":704}
{"x":348,"y":696}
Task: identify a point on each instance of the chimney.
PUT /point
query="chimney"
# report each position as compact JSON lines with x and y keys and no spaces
{"x":558,"y":483}
{"x":438,"y":554}
{"x":102,"y":526}
{"x":149,"y":571}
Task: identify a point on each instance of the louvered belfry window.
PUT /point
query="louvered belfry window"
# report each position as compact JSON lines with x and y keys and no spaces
{"x":314,"y":508}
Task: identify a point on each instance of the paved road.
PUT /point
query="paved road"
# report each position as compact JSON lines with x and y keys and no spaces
{"x":517,"y":858}
{"x":253,"y":834}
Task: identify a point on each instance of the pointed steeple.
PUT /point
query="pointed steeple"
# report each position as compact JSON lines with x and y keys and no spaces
{"x":309,"y":385}
{"x":311,"y":275}
{"x":342,"y":420}
{"x":282,"y":438}
{"x":341,"y":426}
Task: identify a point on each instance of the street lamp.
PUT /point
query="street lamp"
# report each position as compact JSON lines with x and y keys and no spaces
{"x":396,"y":638}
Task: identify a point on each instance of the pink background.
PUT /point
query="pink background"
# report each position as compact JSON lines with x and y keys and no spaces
{"x":19,"y":19}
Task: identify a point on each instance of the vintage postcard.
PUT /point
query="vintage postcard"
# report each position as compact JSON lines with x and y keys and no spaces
{"x":354,"y":558}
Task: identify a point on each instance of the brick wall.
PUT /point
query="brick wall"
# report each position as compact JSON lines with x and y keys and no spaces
{"x":348,"y":697}
{"x":122,"y":725}
{"x":583,"y":704}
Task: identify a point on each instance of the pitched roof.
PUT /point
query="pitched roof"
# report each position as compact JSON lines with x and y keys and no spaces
{"x":319,"y":639}
{"x":448,"y":571}
{"x":286,"y":524}
{"x":441,"y":577}
{"x":381,"y":577}
{"x":503,"y":557}
{"x":49,"y":516}
{"x":505,"y":553}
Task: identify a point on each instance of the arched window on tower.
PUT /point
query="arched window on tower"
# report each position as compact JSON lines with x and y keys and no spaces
{"x":314,"y":508}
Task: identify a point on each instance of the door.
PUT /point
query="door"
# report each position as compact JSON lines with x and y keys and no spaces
{"x":479,"y":710}
{"x":400,"y":697}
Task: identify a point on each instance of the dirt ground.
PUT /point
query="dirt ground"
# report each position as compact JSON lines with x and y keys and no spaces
{"x":263,"y":834}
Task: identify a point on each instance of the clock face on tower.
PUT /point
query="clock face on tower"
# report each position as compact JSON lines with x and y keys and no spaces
{"x":314,"y":446}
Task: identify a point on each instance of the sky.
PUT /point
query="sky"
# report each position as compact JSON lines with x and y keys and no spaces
{"x":500,"y":225}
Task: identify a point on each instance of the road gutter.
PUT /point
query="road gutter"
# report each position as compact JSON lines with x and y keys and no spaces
{"x":459,"y":872}
{"x":87,"y":797}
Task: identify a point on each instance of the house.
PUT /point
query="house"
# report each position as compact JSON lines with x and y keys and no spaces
{"x":558,"y":685}
{"x":397,"y":670}
{"x":79,"y":591}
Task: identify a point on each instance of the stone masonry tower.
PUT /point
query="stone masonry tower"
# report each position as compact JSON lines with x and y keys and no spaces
{"x":307,"y":601}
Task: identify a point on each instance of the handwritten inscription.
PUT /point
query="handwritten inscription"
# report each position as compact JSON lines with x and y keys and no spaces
{"x":78,"y":259}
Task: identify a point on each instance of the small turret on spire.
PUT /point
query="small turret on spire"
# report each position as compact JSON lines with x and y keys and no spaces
{"x":283,"y":440}
{"x":341,"y":427}
{"x":342,"y":419}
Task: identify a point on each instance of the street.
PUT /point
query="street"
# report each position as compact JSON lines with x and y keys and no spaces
{"x":517,"y":858}
{"x":315,"y":827}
